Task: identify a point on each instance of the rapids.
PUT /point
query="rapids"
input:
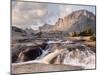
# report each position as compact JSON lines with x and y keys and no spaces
{"x":78,"y":55}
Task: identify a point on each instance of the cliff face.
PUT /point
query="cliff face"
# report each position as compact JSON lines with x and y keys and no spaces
{"x":76,"y":21}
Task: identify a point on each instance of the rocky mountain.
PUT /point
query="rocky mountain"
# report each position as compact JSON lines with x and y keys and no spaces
{"x":76,"y":21}
{"x":29,"y":31}
{"x":46,"y":28}
{"x":20,"y":33}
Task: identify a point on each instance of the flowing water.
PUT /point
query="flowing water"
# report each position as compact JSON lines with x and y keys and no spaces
{"x":75,"y":53}
{"x":80,"y":55}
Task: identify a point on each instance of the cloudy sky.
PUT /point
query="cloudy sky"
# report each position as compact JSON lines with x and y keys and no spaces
{"x":32,"y":14}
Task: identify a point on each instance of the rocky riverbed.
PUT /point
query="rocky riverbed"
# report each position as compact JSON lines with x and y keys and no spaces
{"x":74,"y":53}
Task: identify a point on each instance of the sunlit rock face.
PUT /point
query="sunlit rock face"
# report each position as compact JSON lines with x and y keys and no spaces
{"x":76,"y":21}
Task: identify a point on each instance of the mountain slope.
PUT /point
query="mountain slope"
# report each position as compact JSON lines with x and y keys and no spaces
{"x":76,"y":21}
{"x":18,"y":33}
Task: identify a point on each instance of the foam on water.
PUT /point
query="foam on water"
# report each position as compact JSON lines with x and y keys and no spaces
{"x":85,"y":59}
{"x":78,"y":57}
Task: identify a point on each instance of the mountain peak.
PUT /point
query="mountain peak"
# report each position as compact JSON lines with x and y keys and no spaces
{"x":76,"y":21}
{"x":80,"y":13}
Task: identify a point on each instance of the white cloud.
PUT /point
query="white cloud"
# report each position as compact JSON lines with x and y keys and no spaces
{"x":28,"y":13}
{"x":33,"y":14}
{"x":64,"y":10}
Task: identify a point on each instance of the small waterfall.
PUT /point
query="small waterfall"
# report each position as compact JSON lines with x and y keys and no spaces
{"x":45,"y":51}
{"x":78,"y":57}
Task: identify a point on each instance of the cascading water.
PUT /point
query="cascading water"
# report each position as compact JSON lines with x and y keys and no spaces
{"x":45,"y":51}
{"x":75,"y":54}
{"x":85,"y":59}
{"x":84,"y":56}
{"x":78,"y":57}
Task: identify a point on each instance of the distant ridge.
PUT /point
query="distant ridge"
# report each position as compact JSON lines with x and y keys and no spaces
{"x":76,"y":21}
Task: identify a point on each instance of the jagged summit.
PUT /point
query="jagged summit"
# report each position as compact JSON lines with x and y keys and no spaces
{"x":80,"y":13}
{"x":76,"y":21}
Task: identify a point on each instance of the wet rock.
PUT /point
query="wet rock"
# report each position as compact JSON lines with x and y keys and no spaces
{"x":26,"y":53}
